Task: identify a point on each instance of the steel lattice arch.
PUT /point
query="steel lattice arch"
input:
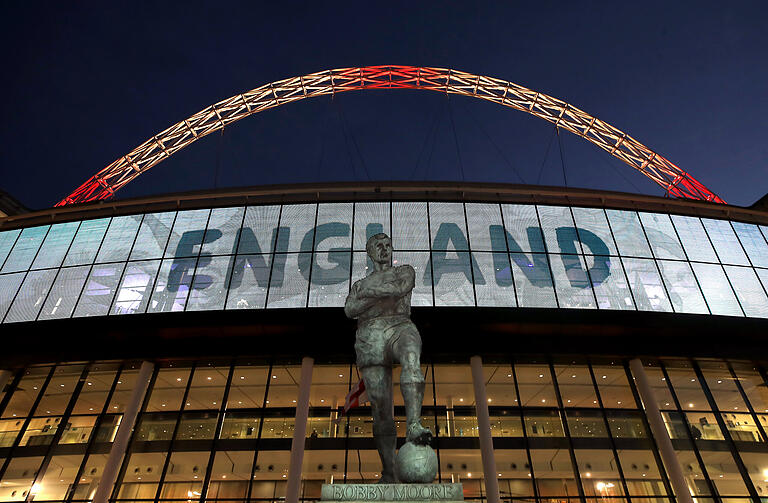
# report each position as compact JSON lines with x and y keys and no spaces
{"x":156,"y":149}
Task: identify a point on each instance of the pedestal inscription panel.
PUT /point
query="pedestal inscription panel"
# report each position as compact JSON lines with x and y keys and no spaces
{"x":391,"y":492}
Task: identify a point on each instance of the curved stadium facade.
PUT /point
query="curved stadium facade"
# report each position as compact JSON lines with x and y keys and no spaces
{"x":225,"y":292}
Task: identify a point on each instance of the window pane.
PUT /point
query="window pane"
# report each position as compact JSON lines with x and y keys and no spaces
{"x":197,"y":425}
{"x":422,"y":292}
{"x":748,"y":290}
{"x":370,"y":219}
{"x":603,"y":480}
{"x":26,"y":392}
{"x":753,"y":242}
{"x":661,"y":234}
{"x":93,"y":395}
{"x":19,"y":477}
{"x":626,"y":424}
{"x":64,"y":293}
{"x":297,"y":227}
{"x":717,"y":291}
{"x":613,"y":386}
{"x":559,"y":229}
{"x":25,"y":249}
{"x":686,"y":386}
{"x":695,"y":240}
{"x":142,"y":475}
{"x":221,"y":234}
{"x":172,"y":285}
{"x":682,"y":287}
{"x":481,"y":217}
{"x":532,"y":280}
{"x":119,"y":239}
{"x":522,"y":227}
{"x":753,"y":384}
{"x":452,"y":274}
{"x":7,"y":239}
{"x":609,"y":283}
{"x":586,"y":424}
{"x":99,"y":290}
{"x":641,"y":473}
{"x":259,"y":230}
{"x":230,"y":476}
{"x":409,"y":226}
{"x":543,"y":423}
{"x":168,"y":390}
{"x":576,"y":387}
{"x":153,"y":235}
{"x":553,"y":473}
{"x":725,"y":242}
{"x":250,"y":279}
{"x":57,"y":395}
{"x":646,"y":285}
{"x":593,"y":221}
{"x":448,"y":229}
{"x":535,"y":385}
{"x":9,"y":284}
{"x":209,"y":286}
{"x":187,"y":235}
{"x":248,"y":387}
{"x":495,"y":290}
{"x":290,"y":289}
{"x":55,"y":245}
{"x":571,"y":282}
{"x":721,"y":463}
{"x":136,"y":287}
{"x":87,"y":242}
{"x":628,"y":233}
{"x":332,"y":257}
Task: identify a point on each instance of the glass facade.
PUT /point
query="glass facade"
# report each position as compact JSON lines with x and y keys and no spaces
{"x":307,"y":255}
{"x":564,"y":430}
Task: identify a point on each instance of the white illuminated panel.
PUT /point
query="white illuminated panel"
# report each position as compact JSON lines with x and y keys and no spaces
{"x":465,"y":254}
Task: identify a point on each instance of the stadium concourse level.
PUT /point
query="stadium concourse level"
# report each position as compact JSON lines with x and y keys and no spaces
{"x":212,"y":430}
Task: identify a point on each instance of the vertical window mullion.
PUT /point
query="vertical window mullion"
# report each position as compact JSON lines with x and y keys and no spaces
{"x":132,"y":441}
{"x":725,"y":432}
{"x":525,"y":429}
{"x":92,"y":440}
{"x":610,"y":434}
{"x":233,"y":259}
{"x":702,"y":466}
{"x":11,"y":387}
{"x":564,"y":421}
{"x":258,"y":435}
{"x":551,"y":278}
{"x":164,"y":471}
{"x":273,"y":256}
{"x":312,"y":256}
{"x":471,"y":257}
{"x":25,"y":425}
{"x":40,"y":473}
{"x":217,"y":433}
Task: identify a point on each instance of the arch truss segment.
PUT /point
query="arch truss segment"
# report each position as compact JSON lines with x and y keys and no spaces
{"x":631,"y":152}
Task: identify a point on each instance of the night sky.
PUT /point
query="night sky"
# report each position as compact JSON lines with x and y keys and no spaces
{"x":84,"y":83}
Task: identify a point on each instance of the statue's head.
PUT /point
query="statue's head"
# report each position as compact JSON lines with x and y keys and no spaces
{"x":379,"y":248}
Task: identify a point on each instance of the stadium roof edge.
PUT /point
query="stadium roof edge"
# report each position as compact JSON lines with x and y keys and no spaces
{"x":385,"y":190}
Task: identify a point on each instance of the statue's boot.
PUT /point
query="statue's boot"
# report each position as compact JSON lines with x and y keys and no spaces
{"x":385,"y":444}
{"x":413,"y":396}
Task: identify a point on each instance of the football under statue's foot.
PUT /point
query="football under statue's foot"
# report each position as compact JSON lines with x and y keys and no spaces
{"x":418,"y":434}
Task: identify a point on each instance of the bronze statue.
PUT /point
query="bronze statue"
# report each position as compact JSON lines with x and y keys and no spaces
{"x":381,"y":303}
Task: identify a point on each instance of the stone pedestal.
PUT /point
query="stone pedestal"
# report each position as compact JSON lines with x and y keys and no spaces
{"x":389,"y":493}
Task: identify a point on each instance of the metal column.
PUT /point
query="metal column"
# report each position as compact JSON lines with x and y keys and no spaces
{"x":656,"y":422}
{"x":111,"y":468}
{"x":484,"y":431}
{"x":299,"y":432}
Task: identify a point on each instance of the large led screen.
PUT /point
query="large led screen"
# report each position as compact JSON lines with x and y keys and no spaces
{"x":307,"y":255}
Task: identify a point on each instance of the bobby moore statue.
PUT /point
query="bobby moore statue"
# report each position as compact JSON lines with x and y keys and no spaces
{"x":381,"y":303}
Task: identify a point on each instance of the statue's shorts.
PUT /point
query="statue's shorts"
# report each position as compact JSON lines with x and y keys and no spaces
{"x":384,"y":340}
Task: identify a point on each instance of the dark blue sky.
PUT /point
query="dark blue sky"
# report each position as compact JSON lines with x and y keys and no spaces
{"x":84,"y":83}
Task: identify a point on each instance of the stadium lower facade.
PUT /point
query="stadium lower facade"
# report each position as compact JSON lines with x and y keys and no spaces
{"x":163,"y":339}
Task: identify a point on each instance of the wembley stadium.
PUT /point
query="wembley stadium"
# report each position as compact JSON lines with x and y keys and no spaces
{"x":188,"y":347}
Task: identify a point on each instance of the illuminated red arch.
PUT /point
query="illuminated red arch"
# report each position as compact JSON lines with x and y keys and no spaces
{"x":672,"y":179}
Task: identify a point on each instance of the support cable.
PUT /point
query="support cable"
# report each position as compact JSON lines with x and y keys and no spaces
{"x":493,"y":143}
{"x":562,"y":157}
{"x":430,"y":131}
{"x":456,"y":141}
{"x":546,"y":154}
{"x":354,"y":142}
